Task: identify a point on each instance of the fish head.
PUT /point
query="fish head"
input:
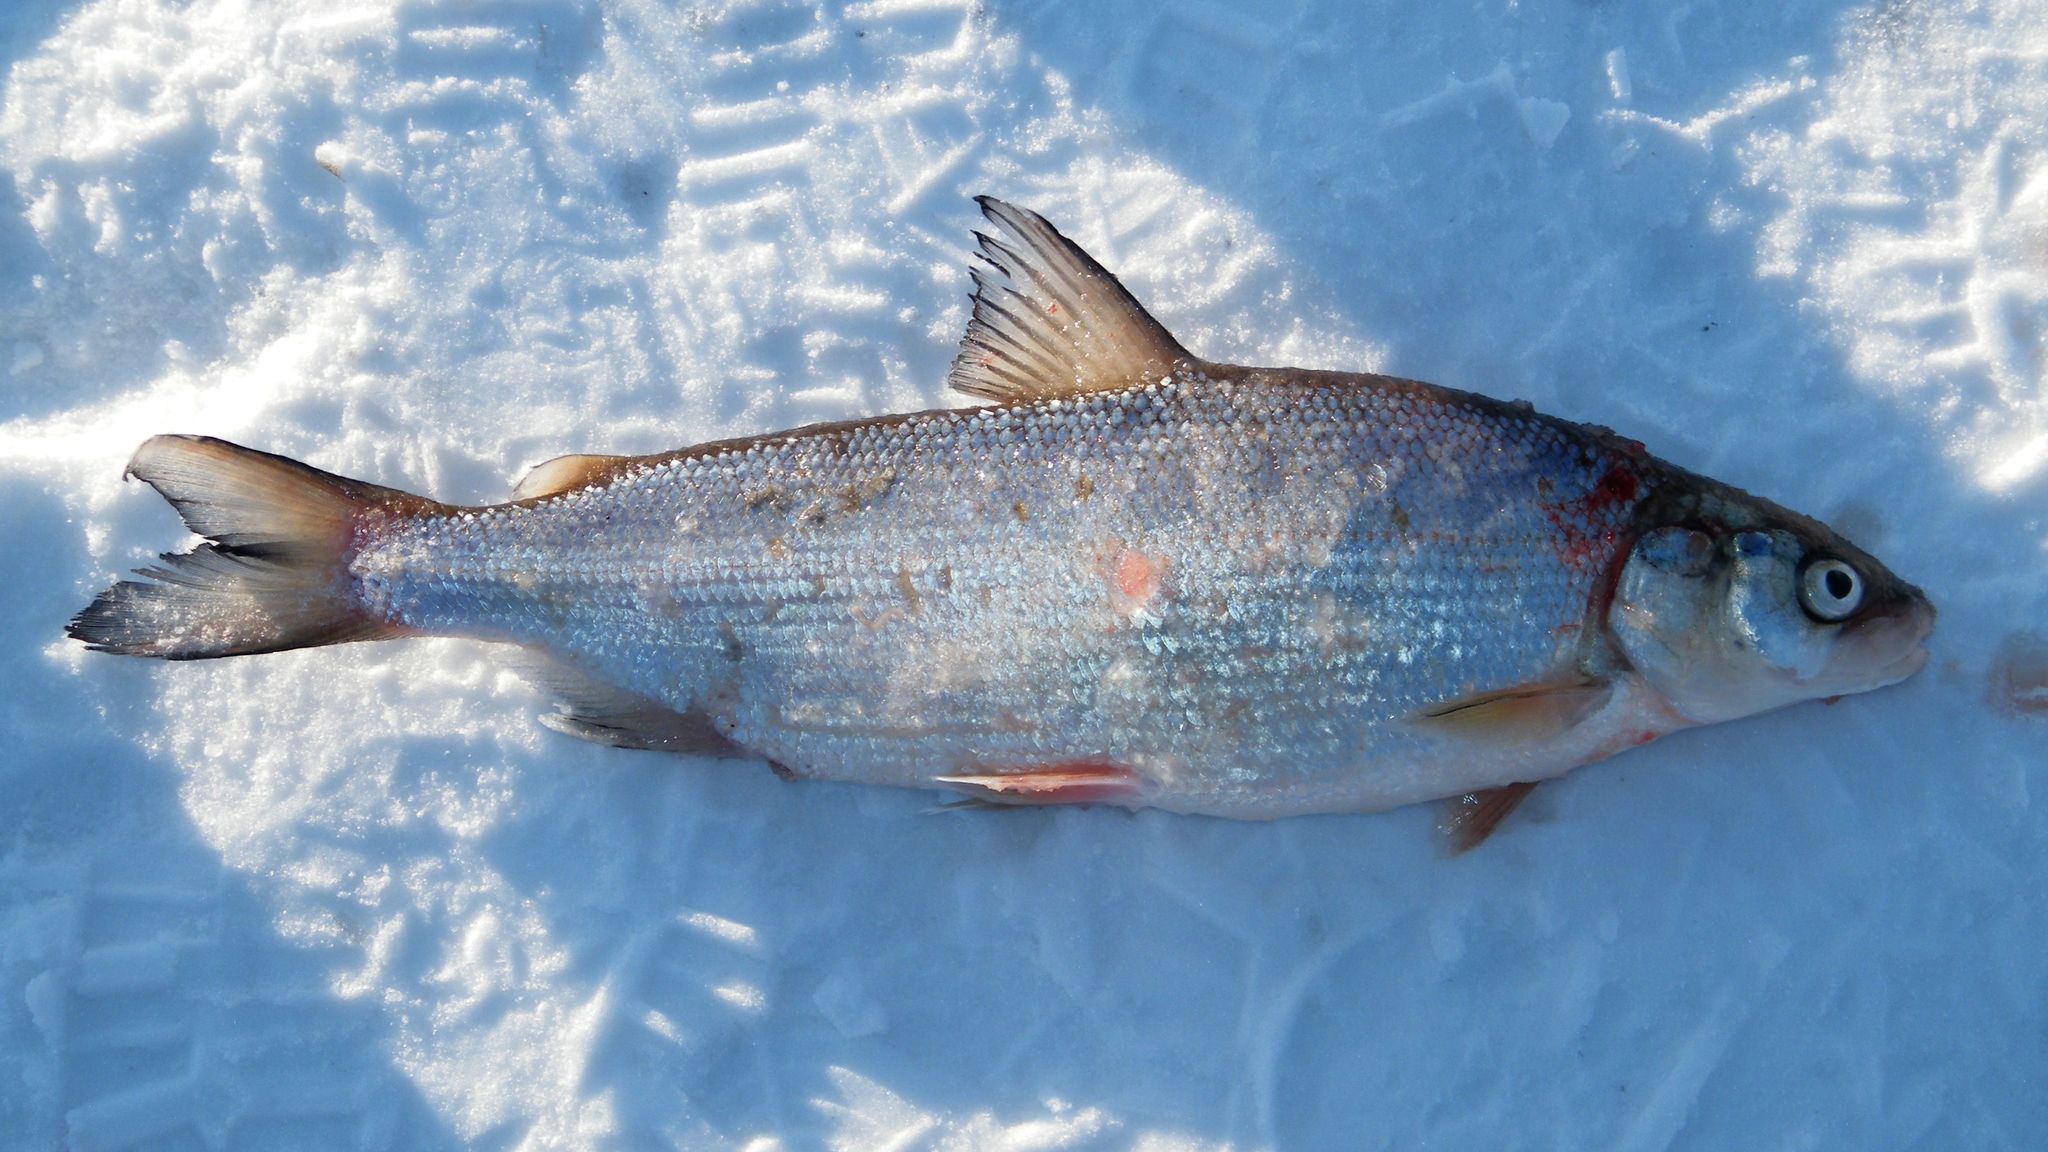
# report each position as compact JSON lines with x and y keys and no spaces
{"x":1740,"y":607}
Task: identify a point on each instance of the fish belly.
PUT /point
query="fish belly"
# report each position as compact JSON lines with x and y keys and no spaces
{"x":1235,"y":589}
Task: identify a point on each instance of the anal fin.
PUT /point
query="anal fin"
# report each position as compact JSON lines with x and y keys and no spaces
{"x":603,"y":713}
{"x":1471,"y":818}
{"x":1067,"y":782}
{"x":653,"y":728}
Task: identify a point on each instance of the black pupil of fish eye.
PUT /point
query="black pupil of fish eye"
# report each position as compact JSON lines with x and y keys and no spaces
{"x":1839,"y":583}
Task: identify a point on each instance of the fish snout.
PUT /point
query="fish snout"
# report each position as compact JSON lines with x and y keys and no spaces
{"x":1890,"y":645}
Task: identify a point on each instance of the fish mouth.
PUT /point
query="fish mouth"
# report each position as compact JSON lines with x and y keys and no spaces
{"x":1886,"y":648}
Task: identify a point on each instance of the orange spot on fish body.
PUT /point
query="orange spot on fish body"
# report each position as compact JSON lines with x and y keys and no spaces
{"x":1137,"y":575}
{"x":1134,"y":581}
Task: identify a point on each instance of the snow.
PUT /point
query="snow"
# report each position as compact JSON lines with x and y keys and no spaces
{"x":357,"y":899}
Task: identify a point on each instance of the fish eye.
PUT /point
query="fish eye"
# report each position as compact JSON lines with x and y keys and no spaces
{"x":1830,"y":590}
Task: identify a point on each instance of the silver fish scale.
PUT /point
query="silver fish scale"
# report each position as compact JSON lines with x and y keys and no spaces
{"x":1236,"y":586}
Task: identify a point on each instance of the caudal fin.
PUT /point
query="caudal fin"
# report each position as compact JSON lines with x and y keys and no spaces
{"x":273,"y":573}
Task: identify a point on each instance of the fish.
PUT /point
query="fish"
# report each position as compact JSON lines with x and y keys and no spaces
{"x":1124,"y":575}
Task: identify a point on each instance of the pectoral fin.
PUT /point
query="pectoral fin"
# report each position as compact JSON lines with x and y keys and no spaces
{"x":1525,"y":713}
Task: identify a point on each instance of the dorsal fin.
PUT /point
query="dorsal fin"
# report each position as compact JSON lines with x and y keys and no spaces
{"x":567,"y":474}
{"x":1050,"y":321}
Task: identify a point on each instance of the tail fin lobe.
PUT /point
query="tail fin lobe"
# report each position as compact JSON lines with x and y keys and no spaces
{"x":274,"y":572}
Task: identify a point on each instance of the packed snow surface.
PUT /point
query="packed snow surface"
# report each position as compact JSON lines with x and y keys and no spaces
{"x":357,"y":899}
